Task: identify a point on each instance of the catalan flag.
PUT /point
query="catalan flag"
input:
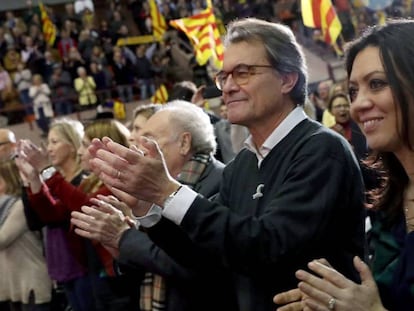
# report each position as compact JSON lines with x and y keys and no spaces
{"x":204,"y":35}
{"x":321,"y":14}
{"x":159,"y":26}
{"x":160,"y":96}
{"x":49,"y":29}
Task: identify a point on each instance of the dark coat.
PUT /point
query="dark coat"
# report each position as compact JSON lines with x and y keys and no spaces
{"x":186,"y":288}
{"x":311,"y":206}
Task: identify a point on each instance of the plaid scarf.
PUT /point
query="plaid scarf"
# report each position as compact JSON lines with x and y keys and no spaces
{"x":153,"y":287}
{"x":193,"y":169}
{"x":152,"y":296}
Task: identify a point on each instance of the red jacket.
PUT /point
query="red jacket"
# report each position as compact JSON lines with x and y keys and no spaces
{"x":54,"y":204}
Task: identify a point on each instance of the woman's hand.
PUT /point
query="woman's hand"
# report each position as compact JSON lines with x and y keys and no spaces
{"x":101,"y":222}
{"x":291,"y":300}
{"x":29,"y":175}
{"x":36,"y":156}
{"x":133,"y":174}
{"x":333,"y":291}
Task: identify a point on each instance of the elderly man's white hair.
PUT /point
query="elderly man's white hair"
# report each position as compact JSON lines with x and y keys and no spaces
{"x":193,"y":119}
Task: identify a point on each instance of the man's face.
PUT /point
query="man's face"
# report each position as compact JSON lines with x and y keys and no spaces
{"x":223,"y":111}
{"x":159,"y":128}
{"x":323,"y":90}
{"x":257,"y":102}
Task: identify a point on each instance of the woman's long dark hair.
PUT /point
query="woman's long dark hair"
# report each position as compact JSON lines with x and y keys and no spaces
{"x":397,"y":56}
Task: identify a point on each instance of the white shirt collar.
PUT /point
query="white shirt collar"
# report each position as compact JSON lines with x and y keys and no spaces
{"x":296,"y":116}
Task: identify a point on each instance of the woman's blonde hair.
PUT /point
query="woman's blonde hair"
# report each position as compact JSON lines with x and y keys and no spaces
{"x":146,"y":110}
{"x":110,"y":128}
{"x":71,"y":131}
{"x":99,"y":129}
{"x":10,"y":174}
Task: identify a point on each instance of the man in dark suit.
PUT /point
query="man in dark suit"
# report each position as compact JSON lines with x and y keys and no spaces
{"x":186,"y":137}
{"x":295,"y":192}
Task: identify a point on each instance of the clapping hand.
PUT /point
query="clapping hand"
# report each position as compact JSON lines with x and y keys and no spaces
{"x":133,"y":174}
{"x":330,"y":290}
{"x":34,"y":155}
{"x":291,"y":300}
{"x":102,"y":222}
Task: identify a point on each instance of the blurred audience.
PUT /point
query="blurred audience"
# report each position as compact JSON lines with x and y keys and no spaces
{"x":85,"y":86}
{"x":39,"y":92}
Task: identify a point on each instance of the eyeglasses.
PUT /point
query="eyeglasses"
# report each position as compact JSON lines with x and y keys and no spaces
{"x":240,"y":74}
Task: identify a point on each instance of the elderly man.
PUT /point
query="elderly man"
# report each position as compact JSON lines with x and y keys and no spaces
{"x":7,"y":144}
{"x":294,"y":194}
{"x":186,"y":137}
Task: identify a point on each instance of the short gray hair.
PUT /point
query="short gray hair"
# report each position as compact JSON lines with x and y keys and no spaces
{"x":190,"y":118}
{"x":283,"y":51}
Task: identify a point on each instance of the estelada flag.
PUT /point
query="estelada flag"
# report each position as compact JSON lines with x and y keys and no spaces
{"x":160,"y":96}
{"x":204,"y":35}
{"x":48,"y":28}
{"x":321,"y":14}
{"x":159,"y":26}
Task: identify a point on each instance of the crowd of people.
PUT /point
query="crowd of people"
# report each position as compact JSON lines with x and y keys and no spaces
{"x":110,"y":71}
{"x":84,"y":65}
{"x":261,"y":207}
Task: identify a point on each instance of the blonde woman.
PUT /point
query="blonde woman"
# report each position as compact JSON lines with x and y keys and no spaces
{"x":53,"y":199}
{"x":64,"y":139}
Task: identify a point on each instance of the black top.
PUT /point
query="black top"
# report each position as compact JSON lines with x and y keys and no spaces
{"x":186,"y":288}
{"x":311,"y":207}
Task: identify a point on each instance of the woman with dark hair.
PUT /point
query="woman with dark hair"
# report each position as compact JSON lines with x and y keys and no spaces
{"x":380,"y":68}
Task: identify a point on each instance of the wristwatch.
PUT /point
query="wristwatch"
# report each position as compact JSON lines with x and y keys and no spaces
{"x":170,"y":197}
{"x":47,"y":172}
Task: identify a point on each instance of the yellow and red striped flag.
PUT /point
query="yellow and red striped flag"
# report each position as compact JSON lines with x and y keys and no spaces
{"x":49,"y":29}
{"x":321,"y":14}
{"x":159,"y":26}
{"x":204,"y":35}
{"x":160,"y":96}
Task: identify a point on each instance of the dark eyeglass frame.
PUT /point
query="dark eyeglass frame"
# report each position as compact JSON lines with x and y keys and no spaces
{"x":239,"y":77}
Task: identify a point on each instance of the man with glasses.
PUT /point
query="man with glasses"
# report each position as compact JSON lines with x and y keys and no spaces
{"x":295,"y":192}
{"x":7,"y":144}
{"x":339,"y":106}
